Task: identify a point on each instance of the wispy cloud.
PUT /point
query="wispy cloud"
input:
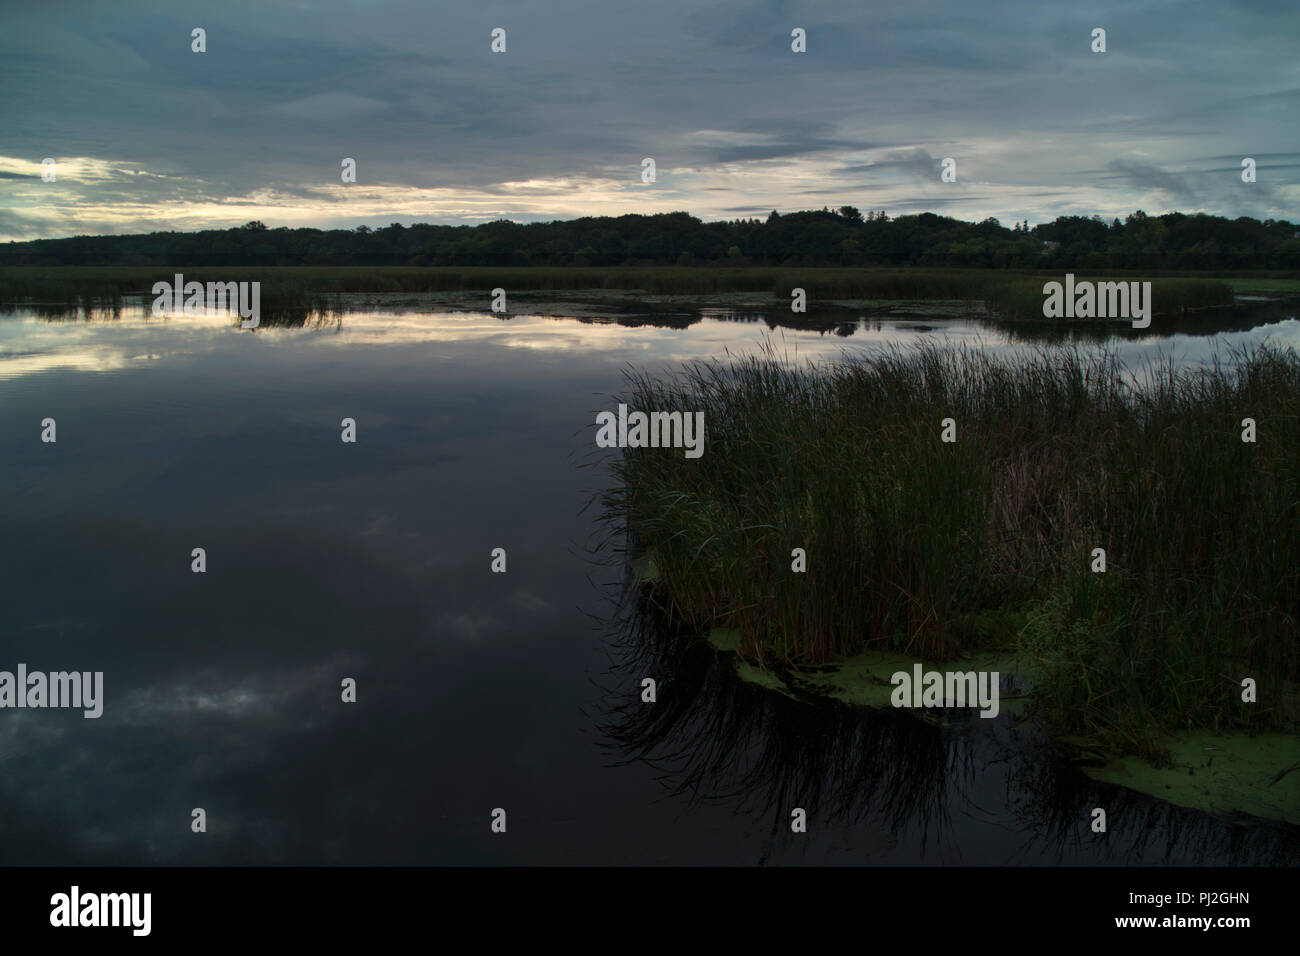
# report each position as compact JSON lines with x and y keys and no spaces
{"x":149,"y":135}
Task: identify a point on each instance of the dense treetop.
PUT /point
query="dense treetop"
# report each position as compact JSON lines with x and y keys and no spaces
{"x":844,"y":237}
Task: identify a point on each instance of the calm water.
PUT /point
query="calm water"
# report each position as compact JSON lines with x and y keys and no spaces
{"x":475,"y":690}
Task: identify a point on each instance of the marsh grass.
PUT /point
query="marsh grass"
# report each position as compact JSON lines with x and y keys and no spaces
{"x":27,"y":284}
{"x":938,"y":549}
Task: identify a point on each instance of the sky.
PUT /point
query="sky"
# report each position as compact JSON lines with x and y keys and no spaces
{"x":146,"y":134}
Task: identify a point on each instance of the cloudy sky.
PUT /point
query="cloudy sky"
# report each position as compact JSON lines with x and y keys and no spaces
{"x":149,"y":135}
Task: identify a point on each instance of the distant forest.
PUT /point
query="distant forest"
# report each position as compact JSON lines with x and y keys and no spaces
{"x":843,"y":237}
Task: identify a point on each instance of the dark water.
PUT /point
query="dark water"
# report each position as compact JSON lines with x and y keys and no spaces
{"x":475,"y":690}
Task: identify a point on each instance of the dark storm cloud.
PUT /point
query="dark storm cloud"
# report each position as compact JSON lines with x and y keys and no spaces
{"x":734,"y":154}
{"x":923,"y":204}
{"x":1147,"y":176}
{"x":444,"y":130}
{"x":915,"y":163}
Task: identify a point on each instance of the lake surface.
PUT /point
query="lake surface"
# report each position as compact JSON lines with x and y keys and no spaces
{"x":475,"y":690}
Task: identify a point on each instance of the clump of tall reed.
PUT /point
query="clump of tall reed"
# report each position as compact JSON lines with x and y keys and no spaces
{"x":913,"y":542}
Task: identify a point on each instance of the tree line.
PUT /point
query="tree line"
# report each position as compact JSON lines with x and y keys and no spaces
{"x":843,"y":237}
